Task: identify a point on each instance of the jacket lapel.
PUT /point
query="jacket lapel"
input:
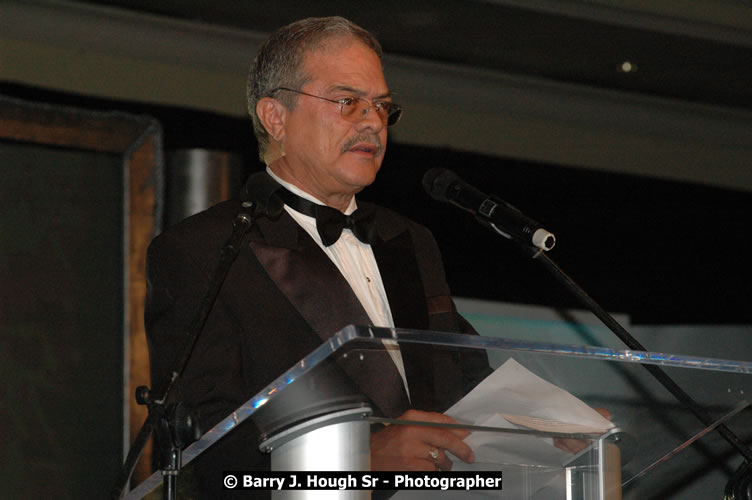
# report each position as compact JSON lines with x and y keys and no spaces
{"x":399,"y":273}
{"x":396,"y":257}
{"x":307,"y":277}
{"x":318,"y":291}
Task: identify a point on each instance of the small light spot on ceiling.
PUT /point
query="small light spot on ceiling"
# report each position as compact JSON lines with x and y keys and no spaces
{"x":627,"y":67}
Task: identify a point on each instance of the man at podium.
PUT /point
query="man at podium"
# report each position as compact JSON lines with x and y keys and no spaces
{"x":321,"y":109}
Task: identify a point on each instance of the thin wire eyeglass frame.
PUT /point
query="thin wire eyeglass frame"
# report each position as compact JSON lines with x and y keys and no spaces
{"x":349,"y":110}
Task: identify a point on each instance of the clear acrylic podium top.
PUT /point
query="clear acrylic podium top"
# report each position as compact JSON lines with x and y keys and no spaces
{"x":659,"y":441}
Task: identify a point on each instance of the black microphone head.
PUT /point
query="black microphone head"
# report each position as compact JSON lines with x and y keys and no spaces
{"x":436,"y":182}
{"x":259,"y":189}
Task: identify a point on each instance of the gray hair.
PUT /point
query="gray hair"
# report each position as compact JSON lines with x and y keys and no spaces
{"x":281,"y":59}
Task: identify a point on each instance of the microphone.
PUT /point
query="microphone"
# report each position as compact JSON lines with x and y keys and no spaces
{"x":443,"y":185}
{"x":258,"y":195}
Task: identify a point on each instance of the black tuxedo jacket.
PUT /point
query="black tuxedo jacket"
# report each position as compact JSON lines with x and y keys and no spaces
{"x":281,"y":299}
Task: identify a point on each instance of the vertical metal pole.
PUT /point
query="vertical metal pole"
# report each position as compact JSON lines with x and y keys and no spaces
{"x":199,"y":178}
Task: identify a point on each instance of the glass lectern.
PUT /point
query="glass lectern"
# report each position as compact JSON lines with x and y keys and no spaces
{"x":532,"y":440}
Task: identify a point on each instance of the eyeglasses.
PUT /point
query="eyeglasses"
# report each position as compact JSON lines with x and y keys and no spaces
{"x":355,"y":109}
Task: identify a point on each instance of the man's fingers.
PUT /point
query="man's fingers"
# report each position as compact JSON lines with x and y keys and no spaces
{"x":435,"y":437}
{"x":419,"y":447}
{"x":437,"y":418}
{"x":427,"y":416}
{"x":444,"y":440}
{"x":442,"y":461}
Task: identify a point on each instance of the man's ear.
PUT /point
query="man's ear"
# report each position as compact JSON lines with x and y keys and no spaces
{"x":272,"y":115}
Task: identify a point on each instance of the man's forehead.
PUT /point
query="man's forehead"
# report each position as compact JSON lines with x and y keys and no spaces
{"x":358,"y":92}
{"x":337,"y":67}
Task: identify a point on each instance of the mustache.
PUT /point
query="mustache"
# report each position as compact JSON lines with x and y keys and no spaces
{"x":369,"y":138}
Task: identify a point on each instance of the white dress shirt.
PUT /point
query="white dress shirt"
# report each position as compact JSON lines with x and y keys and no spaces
{"x":356,"y":262}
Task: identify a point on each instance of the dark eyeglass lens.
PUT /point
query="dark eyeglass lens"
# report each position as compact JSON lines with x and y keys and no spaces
{"x":354,"y":109}
{"x":395,"y":111}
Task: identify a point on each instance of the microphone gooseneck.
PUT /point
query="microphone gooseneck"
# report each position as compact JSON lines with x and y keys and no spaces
{"x":444,"y":185}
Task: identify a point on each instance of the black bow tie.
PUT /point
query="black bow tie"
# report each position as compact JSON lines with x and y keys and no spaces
{"x":330,"y":222}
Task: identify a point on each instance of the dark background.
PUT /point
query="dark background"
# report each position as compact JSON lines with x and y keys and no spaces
{"x":61,"y":305}
{"x":664,"y":252}
{"x":566,"y":41}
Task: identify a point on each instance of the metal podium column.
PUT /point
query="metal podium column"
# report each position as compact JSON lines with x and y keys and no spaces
{"x":338,"y":441}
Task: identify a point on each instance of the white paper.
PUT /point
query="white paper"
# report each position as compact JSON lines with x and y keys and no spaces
{"x":515,"y":391}
{"x":522,"y":396}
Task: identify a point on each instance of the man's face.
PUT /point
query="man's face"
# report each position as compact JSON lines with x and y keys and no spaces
{"x":328,"y":155}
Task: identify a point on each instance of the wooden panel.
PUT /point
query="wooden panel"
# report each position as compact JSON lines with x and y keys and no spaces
{"x":88,"y":185}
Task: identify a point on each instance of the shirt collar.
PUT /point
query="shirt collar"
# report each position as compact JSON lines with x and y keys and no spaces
{"x":296,"y":190}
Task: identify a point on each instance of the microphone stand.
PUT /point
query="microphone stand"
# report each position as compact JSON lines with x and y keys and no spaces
{"x":739,"y":486}
{"x":173,"y":423}
{"x":444,"y":185}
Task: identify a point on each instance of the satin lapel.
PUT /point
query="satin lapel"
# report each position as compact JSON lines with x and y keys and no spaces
{"x":309,"y":279}
{"x":319,"y":292}
{"x":396,"y":258}
{"x":404,"y":289}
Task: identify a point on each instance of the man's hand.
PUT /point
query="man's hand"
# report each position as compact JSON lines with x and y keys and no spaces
{"x":574,"y":446}
{"x":413,"y":447}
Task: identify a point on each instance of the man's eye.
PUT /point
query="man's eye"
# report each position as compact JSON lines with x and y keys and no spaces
{"x":383,"y":106}
{"x":347,"y":101}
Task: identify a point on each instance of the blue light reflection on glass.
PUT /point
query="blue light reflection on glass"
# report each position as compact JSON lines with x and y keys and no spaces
{"x":260,"y":402}
{"x":320,"y":354}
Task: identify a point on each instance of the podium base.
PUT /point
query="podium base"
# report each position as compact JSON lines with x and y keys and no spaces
{"x":339,"y":441}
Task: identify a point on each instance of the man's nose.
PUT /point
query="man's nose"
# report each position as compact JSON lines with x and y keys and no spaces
{"x":369,"y":119}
